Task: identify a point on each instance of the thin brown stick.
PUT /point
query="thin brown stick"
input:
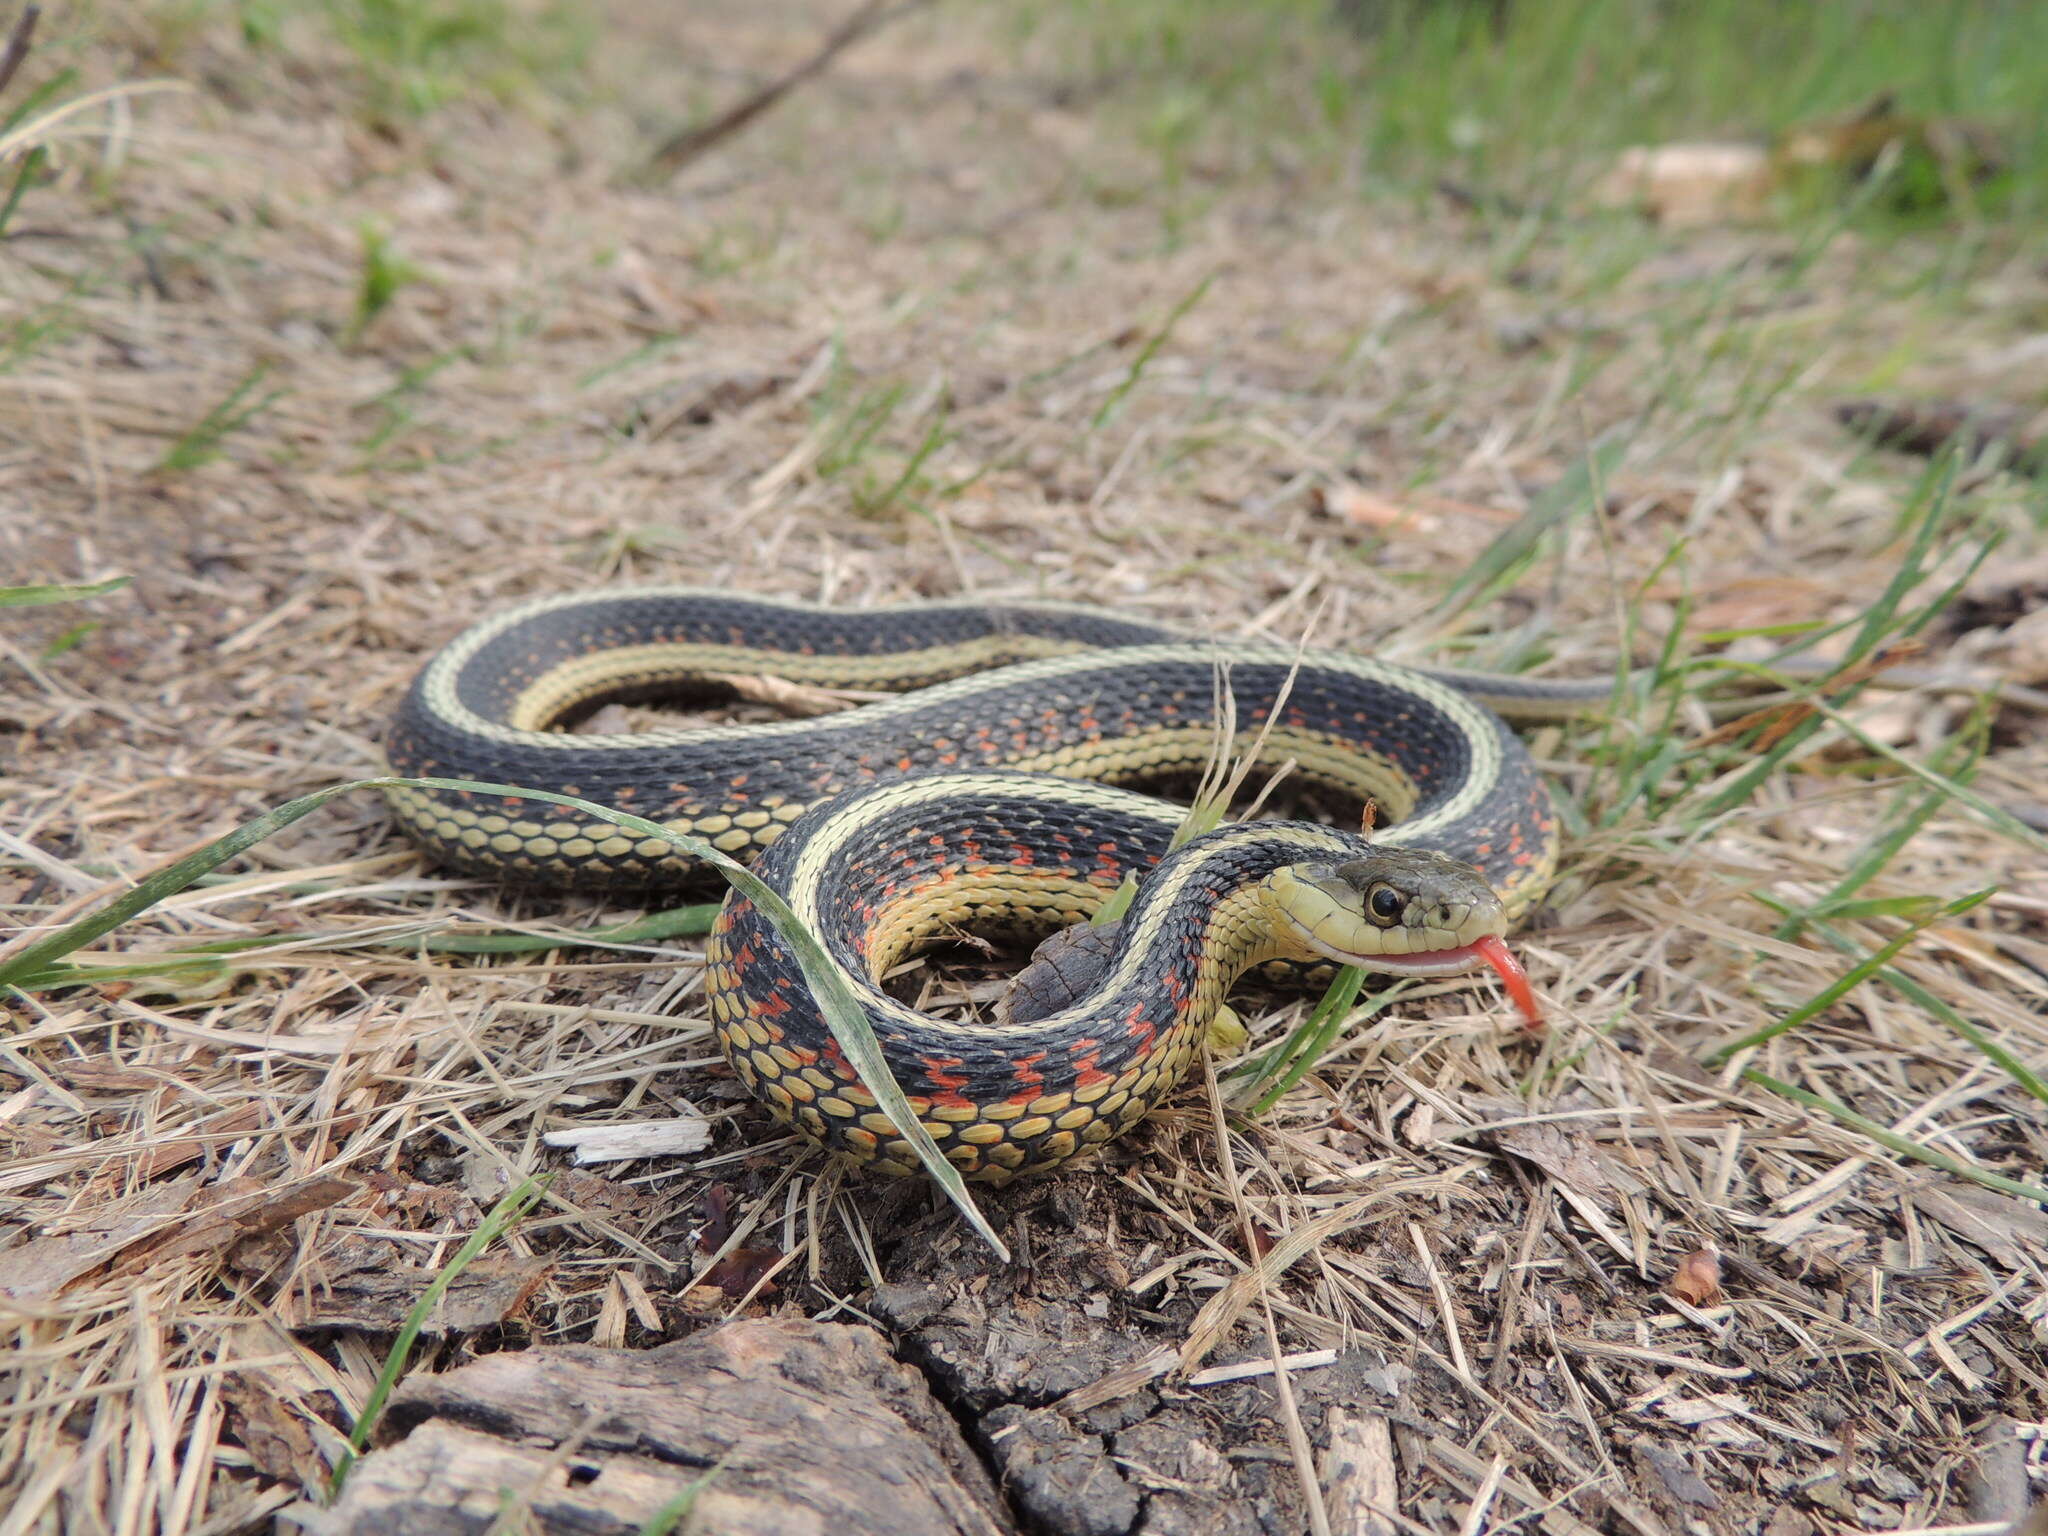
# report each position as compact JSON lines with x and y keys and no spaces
{"x":17,"y":43}
{"x":687,"y":145}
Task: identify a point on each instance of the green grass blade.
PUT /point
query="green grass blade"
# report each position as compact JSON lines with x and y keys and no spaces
{"x":36,"y":597}
{"x":842,"y":1010}
{"x":672,"y":1514}
{"x":202,"y":443}
{"x":1877,"y":618}
{"x":1572,"y":495}
{"x":1968,"y":745}
{"x":1914,"y":993}
{"x":1885,"y":1136}
{"x":498,"y":1220}
{"x":1146,"y":353}
{"x":1291,"y":1059}
{"x":167,"y":881}
{"x":1113,"y":910}
{"x":1861,"y":972}
{"x":219,"y":957}
{"x":1296,"y":1056}
{"x":31,"y":163}
{"x":674,"y":923}
{"x":1998,"y":816}
{"x":184,"y":969}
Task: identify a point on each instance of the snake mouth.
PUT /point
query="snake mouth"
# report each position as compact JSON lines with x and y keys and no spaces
{"x":1491,"y":950}
{"x":1421,"y":962}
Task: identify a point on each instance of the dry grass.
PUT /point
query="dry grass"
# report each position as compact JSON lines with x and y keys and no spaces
{"x":974,"y":355}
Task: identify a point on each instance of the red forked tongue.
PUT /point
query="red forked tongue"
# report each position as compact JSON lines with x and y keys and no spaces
{"x":1495,"y":952}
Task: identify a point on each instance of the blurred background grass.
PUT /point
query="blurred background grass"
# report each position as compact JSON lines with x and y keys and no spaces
{"x":1521,"y":101}
{"x":1525,"y":101}
{"x":1514,"y":107}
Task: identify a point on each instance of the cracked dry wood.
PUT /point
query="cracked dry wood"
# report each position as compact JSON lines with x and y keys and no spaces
{"x":820,"y":1428}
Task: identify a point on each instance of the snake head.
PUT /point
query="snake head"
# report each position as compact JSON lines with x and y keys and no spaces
{"x":1406,"y":910}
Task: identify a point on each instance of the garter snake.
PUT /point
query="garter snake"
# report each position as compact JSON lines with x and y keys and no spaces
{"x":986,"y":794}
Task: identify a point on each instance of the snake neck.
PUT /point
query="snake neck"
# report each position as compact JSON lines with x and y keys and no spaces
{"x":1200,"y":957}
{"x":1206,"y":916}
{"x":1242,"y":932}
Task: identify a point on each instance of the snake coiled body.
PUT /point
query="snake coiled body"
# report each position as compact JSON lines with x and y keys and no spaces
{"x":957,"y":805}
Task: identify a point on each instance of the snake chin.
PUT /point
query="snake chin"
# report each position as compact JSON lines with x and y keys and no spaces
{"x":1408,"y":911}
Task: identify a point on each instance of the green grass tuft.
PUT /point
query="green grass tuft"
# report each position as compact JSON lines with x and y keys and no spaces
{"x":202,"y":443}
{"x":384,"y":273}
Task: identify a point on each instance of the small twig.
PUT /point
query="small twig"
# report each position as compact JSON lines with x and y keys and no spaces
{"x":1442,"y":1293}
{"x":17,"y":43}
{"x":1307,"y":1359}
{"x":686,"y":146}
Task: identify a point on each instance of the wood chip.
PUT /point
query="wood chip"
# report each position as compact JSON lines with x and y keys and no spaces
{"x":43,"y":1266}
{"x":1991,"y":1223}
{"x":638,"y":1427}
{"x":252,"y":1209}
{"x":1361,"y":1483}
{"x":487,"y":1292}
{"x":618,"y":1143}
{"x":1687,"y":184}
{"x":1363,"y":509}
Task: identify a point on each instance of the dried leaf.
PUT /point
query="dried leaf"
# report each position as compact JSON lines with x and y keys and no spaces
{"x":45,"y":1265}
{"x":1779,"y":720}
{"x":1687,"y":184}
{"x":717,"y":1227}
{"x":1991,"y":1228}
{"x":252,"y":1209}
{"x":1568,"y":1157}
{"x":741,"y":1270}
{"x":156,"y":1225}
{"x":1698,"y":1280}
{"x":278,"y":1439}
{"x":1715,"y":1416}
{"x":1679,"y":1480}
{"x":593,"y":1193}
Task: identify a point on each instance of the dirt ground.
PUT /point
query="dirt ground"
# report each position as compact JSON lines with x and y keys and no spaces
{"x":941,"y":323}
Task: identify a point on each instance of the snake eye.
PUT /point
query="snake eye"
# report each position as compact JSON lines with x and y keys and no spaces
{"x":1384,"y":904}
